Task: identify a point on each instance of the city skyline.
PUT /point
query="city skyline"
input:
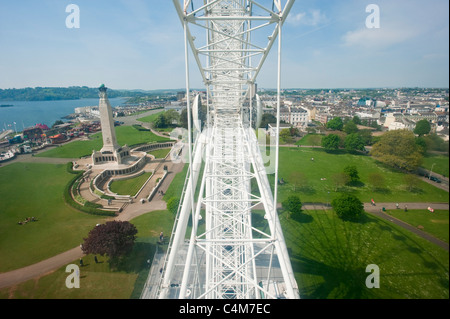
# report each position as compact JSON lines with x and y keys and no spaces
{"x":139,"y":45}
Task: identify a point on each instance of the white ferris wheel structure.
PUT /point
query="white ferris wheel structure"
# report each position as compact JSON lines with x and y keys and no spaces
{"x":216,"y":249}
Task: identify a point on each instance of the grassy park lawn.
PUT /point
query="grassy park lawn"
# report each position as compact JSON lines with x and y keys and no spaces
{"x":441,"y":164}
{"x":436,"y":223}
{"x":129,"y":186}
{"x":176,"y":187}
{"x":151,"y":118}
{"x":98,"y":281}
{"x":330,"y":256}
{"x":161,"y":153}
{"x":75,"y":149}
{"x":36,"y":190}
{"x":126,"y":135}
{"x":310,"y":140}
{"x":319,"y":186}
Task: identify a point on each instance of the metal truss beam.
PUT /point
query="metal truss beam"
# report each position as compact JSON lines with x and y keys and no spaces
{"x":225,"y":255}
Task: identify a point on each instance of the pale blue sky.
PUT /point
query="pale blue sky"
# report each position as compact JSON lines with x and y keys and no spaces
{"x":138,"y":44}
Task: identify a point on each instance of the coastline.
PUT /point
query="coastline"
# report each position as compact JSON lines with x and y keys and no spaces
{"x":25,"y":114}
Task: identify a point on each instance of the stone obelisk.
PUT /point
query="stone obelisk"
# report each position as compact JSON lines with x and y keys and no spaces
{"x":111,"y":150}
{"x":107,"y":121}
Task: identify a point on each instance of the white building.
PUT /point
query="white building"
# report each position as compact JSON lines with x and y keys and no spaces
{"x":89,"y":111}
{"x":299,"y":116}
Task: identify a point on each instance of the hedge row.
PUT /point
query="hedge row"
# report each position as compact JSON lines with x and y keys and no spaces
{"x":89,"y":208}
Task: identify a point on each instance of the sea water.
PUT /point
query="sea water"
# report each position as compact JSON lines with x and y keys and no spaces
{"x":25,"y":114}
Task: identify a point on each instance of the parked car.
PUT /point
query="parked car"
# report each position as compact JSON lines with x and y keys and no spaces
{"x":435,"y":179}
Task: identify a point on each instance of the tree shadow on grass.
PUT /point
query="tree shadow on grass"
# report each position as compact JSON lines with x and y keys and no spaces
{"x":331,"y":257}
{"x":302,"y":218}
{"x":307,"y":190}
{"x":356,"y":184}
{"x":338,"y":282}
{"x":363,"y":219}
{"x":415,"y":190}
{"x":334,"y":250}
{"x":382,"y":190}
{"x":137,"y":259}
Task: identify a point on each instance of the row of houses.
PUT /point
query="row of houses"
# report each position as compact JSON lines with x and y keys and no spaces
{"x":390,"y":113}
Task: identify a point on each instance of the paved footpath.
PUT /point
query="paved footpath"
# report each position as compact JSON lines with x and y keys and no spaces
{"x":378,"y":211}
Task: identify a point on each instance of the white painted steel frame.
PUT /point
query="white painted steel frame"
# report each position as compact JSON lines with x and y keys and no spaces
{"x":221,"y":260}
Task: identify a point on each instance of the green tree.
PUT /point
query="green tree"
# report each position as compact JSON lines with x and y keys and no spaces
{"x":335,"y":124}
{"x":398,"y":149}
{"x":356,"y":120}
{"x":160,"y":121}
{"x":422,"y":144}
{"x":435,"y":143}
{"x":294,"y":131}
{"x":114,"y":239}
{"x":350,"y":127}
{"x":354,"y":142}
{"x":171,"y":117}
{"x":331,"y":142}
{"x":285,"y":136}
{"x":423,"y":127}
{"x":366,"y":136}
{"x":348,"y":207}
{"x":293,"y":205}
